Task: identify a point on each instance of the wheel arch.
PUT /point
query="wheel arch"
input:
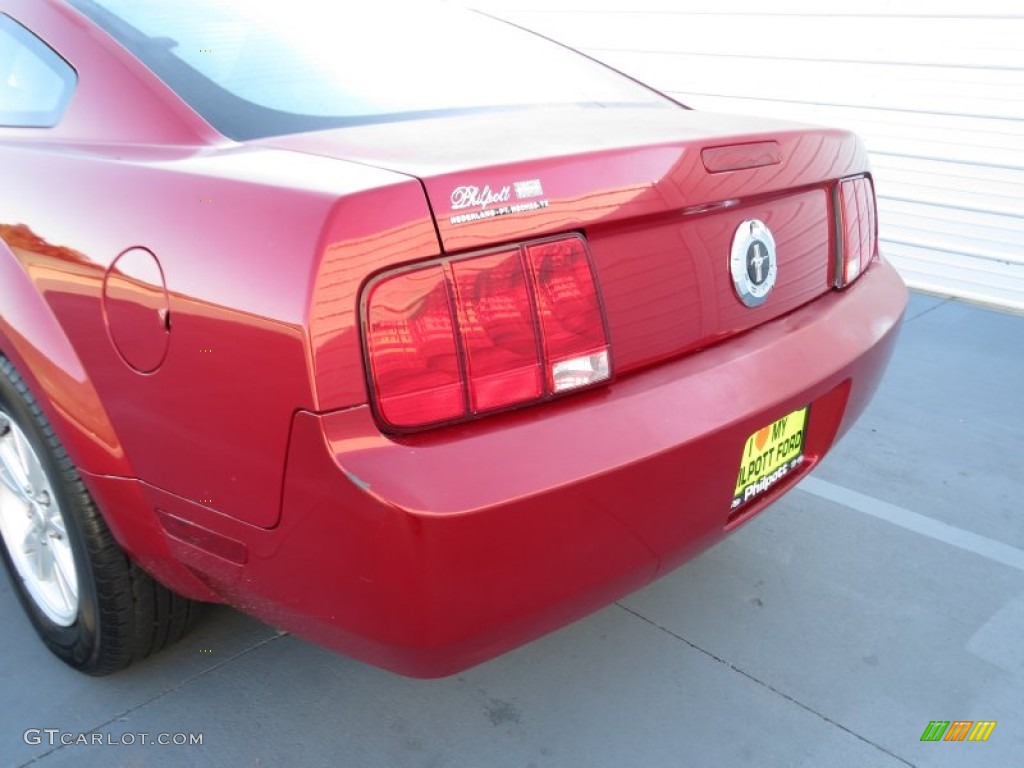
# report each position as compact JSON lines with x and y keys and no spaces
{"x":33,"y":340}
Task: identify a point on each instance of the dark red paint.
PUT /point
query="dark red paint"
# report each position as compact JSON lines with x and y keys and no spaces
{"x":211,"y":383}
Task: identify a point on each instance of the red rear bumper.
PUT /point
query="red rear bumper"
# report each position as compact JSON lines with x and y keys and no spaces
{"x":432,"y":554}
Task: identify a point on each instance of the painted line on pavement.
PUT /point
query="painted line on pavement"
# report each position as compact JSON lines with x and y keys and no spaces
{"x":974,"y":543}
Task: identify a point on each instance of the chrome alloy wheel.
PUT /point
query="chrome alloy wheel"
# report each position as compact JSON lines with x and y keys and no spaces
{"x":33,"y":528}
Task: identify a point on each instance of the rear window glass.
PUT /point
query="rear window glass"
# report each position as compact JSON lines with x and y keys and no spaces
{"x":35,"y":83}
{"x":255,"y":68}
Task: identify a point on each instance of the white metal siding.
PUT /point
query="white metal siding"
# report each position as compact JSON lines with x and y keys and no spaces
{"x":934,"y":87}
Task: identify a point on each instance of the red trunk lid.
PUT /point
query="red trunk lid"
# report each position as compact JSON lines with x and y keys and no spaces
{"x":657,"y":200}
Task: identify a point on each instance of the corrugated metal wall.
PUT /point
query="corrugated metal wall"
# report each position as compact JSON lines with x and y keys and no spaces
{"x":934,"y":87}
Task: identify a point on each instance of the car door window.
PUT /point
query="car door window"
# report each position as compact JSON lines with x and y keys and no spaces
{"x":35,"y":83}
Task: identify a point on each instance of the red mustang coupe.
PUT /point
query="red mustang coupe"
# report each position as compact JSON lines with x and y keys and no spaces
{"x":397,"y":327}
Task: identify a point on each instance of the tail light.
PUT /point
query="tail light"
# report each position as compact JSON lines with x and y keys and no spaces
{"x":458,"y":338}
{"x":858,"y":229}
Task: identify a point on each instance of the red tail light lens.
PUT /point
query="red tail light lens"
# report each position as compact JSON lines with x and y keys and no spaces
{"x":459,"y":338}
{"x":858,"y":227}
{"x":499,"y":335}
{"x":414,"y":360}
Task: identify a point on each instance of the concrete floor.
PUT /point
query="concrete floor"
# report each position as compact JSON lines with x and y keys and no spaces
{"x":886,"y":592}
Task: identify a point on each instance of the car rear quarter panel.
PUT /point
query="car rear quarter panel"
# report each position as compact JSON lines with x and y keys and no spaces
{"x":238,"y":234}
{"x":239,"y":237}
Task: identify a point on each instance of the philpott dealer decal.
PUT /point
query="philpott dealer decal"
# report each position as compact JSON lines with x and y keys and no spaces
{"x":490,"y":203}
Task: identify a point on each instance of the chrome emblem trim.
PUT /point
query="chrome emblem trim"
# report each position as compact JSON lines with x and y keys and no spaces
{"x":753,"y":262}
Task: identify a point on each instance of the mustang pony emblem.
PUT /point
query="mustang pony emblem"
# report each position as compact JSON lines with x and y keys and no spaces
{"x":752,"y":262}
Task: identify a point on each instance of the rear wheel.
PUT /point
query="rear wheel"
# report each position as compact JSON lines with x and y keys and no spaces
{"x":92,"y":606}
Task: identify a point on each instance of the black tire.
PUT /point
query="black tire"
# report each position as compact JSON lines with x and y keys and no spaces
{"x":123,"y":615}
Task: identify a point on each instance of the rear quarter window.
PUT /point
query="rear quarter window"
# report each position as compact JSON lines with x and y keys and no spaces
{"x":35,"y":82}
